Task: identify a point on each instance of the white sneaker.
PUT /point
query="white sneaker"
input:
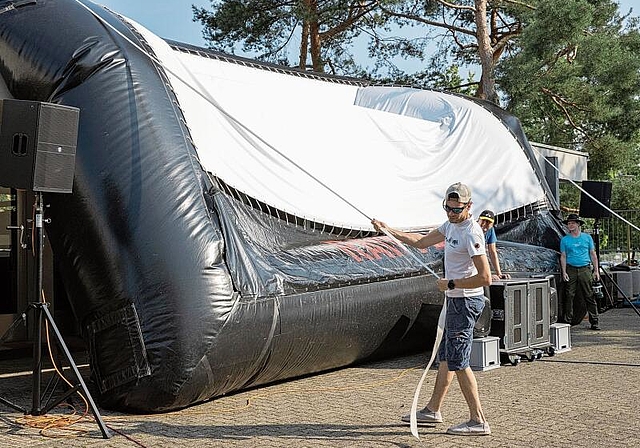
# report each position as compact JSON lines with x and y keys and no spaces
{"x":424,"y":416}
{"x":470,"y":428}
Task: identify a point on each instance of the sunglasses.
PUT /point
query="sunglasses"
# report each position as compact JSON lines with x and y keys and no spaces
{"x":456,"y":210}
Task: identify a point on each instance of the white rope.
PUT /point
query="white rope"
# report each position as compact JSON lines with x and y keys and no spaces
{"x":205,"y":95}
{"x":439,"y":332}
{"x":416,"y":394}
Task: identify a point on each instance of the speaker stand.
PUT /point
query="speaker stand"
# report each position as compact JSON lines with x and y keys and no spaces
{"x":40,"y":309}
{"x":596,"y":242}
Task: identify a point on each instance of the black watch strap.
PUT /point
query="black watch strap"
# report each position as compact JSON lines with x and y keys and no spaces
{"x":451,"y":285}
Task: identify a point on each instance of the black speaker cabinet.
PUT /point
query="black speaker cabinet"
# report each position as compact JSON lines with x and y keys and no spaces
{"x":38,"y":145}
{"x":599,"y":190}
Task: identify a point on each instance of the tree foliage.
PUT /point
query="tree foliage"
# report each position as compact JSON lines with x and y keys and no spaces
{"x":321,"y":31}
{"x":475,"y":32}
{"x":574,"y":82}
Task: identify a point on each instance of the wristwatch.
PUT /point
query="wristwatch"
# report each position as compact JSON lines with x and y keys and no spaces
{"x":451,"y":285}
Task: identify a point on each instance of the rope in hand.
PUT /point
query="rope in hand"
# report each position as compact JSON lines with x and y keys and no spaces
{"x":439,"y":332}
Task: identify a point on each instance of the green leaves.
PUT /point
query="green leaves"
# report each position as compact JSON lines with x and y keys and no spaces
{"x":299,"y":32}
{"x":574,"y":82}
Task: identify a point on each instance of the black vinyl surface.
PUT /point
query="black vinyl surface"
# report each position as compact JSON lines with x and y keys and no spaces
{"x":183,"y":292}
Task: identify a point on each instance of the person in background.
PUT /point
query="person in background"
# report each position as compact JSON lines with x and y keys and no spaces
{"x":578,"y":260}
{"x":486,"y":220}
{"x":467,"y":272}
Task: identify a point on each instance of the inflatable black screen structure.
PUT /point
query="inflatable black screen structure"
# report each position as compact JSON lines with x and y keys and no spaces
{"x":218,"y":235}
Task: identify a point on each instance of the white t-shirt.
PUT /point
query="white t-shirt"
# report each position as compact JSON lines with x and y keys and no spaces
{"x":461,"y":242}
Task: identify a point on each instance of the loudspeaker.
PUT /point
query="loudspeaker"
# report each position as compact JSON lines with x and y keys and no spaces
{"x":38,"y":145}
{"x":599,"y":190}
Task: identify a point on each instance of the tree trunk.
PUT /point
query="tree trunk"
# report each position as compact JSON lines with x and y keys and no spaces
{"x":316,"y":57}
{"x":315,"y":43}
{"x":487,"y":80}
{"x":304,"y":46}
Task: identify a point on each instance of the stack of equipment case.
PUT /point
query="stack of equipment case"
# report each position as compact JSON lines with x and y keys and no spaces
{"x":521,"y":317}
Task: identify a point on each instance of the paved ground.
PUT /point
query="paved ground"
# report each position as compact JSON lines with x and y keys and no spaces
{"x":587,"y":397}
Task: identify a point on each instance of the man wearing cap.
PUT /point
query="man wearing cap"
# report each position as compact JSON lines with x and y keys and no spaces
{"x":486,"y":220}
{"x":466,"y":273}
{"x":577,"y":251}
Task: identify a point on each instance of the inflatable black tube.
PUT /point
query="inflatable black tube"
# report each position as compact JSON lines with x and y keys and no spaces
{"x":184,"y":291}
{"x":135,"y":269}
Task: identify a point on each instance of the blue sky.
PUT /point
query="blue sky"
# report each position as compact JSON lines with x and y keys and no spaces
{"x":172,"y":19}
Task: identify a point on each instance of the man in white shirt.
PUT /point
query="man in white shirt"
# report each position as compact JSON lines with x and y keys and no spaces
{"x":467,"y":271}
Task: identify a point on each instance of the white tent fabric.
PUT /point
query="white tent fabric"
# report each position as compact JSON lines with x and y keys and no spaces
{"x":389,"y":152}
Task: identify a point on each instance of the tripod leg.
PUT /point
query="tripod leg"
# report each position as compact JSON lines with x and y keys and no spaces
{"x":37,"y":362}
{"x":105,"y":432}
{"x":4,"y":337}
{"x":12,"y":405}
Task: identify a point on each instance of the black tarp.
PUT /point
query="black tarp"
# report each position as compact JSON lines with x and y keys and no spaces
{"x":183,"y":291}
